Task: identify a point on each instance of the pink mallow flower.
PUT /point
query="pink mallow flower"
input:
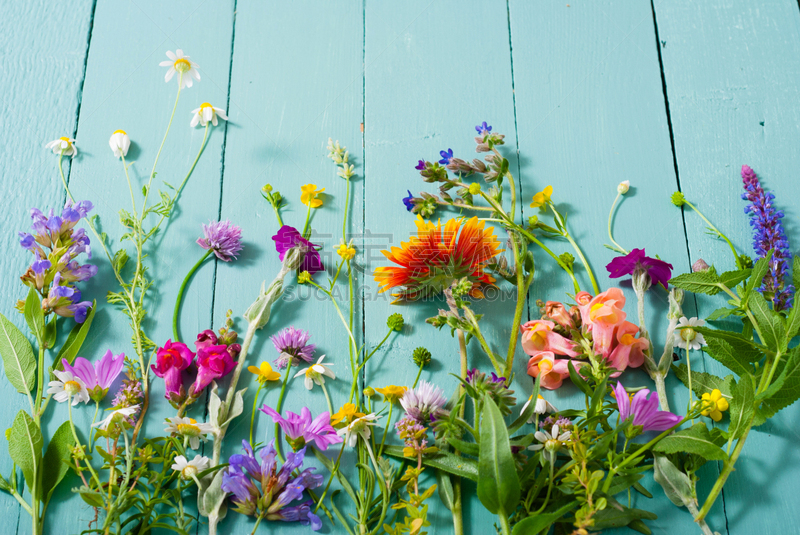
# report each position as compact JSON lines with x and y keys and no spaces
{"x":643,"y":407}
{"x":538,"y":336}
{"x":213,"y":362}
{"x":97,"y":378}
{"x":171,"y":360}
{"x":301,"y":430}
{"x":551,"y":371}
{"x":604,"y":315}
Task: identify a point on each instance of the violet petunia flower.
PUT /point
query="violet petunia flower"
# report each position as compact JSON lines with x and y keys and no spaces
{"x":288,"y":238}
{"x":223,"y":238}
{"x":409,"y":201}
{"x":171,"y":360}
{"x":644,"y":410}
{"x":768,"y":235}
{"x":293,"y":344}
{"x":213,"y":362}
{"x":301,"y":430}
{"x":659,"y":271}
{"x":97,"y":378}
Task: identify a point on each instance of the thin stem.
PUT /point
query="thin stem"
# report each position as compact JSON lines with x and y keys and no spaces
{"x":719,"y":234}
{"x":253,"y":414}
{"x":689,"y":375}
{"x":327,"y":398}
{"x":130,"y":186}
{"x":330,"y":479}
{"x":78,"y":442}
{"x":308,"y":220}
{"x":91,"y":429}
{"x":419,"y":372}
{"x":522,"y":293}
{"x":158,"y":154}
{"x":177,"y":309}
{"x":619,"y":248}
{"x":278,"y":409}
{"x":386,"y":429}
{"x":561,"y":264}
{"x":578,"y":250}
{"x":258,"y":521}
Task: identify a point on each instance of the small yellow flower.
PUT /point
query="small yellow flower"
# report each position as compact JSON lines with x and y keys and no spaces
{"x":303,"y":277}
{"x":542,"y":198}
{"x":392,"y":393}
{"x":347,"y":414}
{"x":264,"y":373}
{"x":474,"y":188}
{"x":346,"y":250}
{"x":714,"y":405}
{"x":309,"y":196}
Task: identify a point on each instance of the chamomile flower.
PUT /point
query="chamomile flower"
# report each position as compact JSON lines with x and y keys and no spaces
{"x":68,"y":385}
{"x":63,"y":145}
{"x":190,"y":429}
{"x":551,"y":442}
{"x":178,"y":63}
{"x":119,"y":417}
{"x":360,"y":427}
{"x":542,"y":406}
{"x":686,"y":337}
{"x":119,"y":143}
{"x":189,"y":469}
{"x":205,"y":113}
{"x":315,"y":373}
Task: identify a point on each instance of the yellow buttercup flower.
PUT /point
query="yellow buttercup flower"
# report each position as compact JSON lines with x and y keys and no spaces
{"x":347,"y":414}
{"x":346,"y":250}
{"x":309,"y":196}
{"x":264,"y":373}
{"x":542,"y":198}
{"x":714,"y":405}
{"x":392,"y":393}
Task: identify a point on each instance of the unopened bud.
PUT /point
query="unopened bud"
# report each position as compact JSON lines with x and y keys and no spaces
{"x":700,"y":265}
{"x":623,"y":187}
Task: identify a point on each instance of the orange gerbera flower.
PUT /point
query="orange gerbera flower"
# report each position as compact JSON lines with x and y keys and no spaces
{"x":435,"y":258}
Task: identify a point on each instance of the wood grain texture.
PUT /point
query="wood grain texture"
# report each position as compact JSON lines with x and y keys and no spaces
{"x":731,"y":77}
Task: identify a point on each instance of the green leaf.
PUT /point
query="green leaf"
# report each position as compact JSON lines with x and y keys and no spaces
{"x":769,"y":322}
{"x":443,"y":460}
{"x":56,"y":459}
{"x":732,"y":278}
{"x":236,"y":407}
{"x":622,"y":482}
{"x":50,"y":333}
{"x":702,"y":282}
{"x":578,"y":380}
{"x":703,"y":383}
{"x":747,"y":350}
{"x":725,"y":354}
{"x":784,"y":390}
{"x":498,"y":482}
{"x":328,"y":464}
{"x":675,"y":483}
{"x":18,"y":359}
{"x":528,"y":412}
{"x":211,"y":499}
{"x":533,"y":525}
{"x":793,"y":323}
{"x":25,"y":448}
{"x":720,"y":313}
{"x":445,"y":487}
{"x":756,"y":277}
{"x":468,"y":448}
{"x":696,"y":440}
{"x":741,"y":407}
{"x":75,"y":339}
{"x":34,"y":315}
{"x":611,"y":517}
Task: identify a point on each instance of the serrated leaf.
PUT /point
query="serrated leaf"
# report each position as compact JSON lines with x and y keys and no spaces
{"x":784,"y":390}
{"x":498,"y":482}
{"x":724,"y":353}
{"x":75,"y":339}
{"x":720,"y":313}
{"x":756,"y":277}
{"x":534,"y":525}
{"x":747,"y":350}
{"x":675,"y":483}
{"x":769,"y":322}
{"x":696,"y":440}
{"x":34,"y":316}
{"x":702,"y":282}
{"x":56,"y":459}
{"x":732,"y":278}
{"x":741,"y":407}
{"x":703,"y":383}
{"x":25,"y":448}
{"x":18,"y":358}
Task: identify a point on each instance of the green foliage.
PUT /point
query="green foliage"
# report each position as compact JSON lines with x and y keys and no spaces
{"x":769,"y":322}
{"x":34,"y":315}
{"x":19,"y":361}
{"x":675,"y":483}
{"x":704,"y":383}
{"x":696,"y":440}
{"x":498,"y":483}
{"x":442,"y":460}
{"x":75,"y":339}
{"x":536,"y":524}
{"x":784,"y":390}
{"x":760,"y":270}
{"x":25,"y":444}
{"x":741,"y":408}
{"x":725,"y":354}
{"x":702,"y":282}
{"x":56,"y":459}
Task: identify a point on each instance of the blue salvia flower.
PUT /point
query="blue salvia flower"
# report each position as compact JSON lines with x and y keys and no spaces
{"x":768,"y":234}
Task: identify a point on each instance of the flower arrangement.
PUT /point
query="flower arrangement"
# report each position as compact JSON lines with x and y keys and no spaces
{"x":534,"y":467}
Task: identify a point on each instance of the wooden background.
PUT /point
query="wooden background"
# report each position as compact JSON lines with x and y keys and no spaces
{"x":673,"y":94}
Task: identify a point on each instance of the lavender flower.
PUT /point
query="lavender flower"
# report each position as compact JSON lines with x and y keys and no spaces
{"x":266,"y":490}
{"x":292,"y":344}
{"x":423,"y":402}
{"x":300,"y":429}
{"x":223,"y":238}
{"x":768,"y":235}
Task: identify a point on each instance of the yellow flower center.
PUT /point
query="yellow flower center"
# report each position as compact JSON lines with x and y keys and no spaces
{"x":189,"y":471}
{"x":189,"y":430}
{"x":67,"y":140}
{"x":182,"y":65}
{"x":123,"y":132}
{"x":72,"y":387}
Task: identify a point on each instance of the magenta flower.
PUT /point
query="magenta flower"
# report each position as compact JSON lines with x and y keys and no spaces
{"x":644,"y":410}
{"x":659,"y":271}
{"x":213,"y":362}
{"x":288,"y":238}
{"x":300,"y":430}
{"x":97,"y":378}
{"x":171,"y":360}
{"x":293,"y":343}
{"x":223,"y":238}
{"x":205,"y":339}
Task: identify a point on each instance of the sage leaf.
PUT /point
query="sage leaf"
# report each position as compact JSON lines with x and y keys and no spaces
{"x":498,"y":482}
{"x":18,"y":359}
{"x":675,"y":483}
{"x":25,"y":448}
{"x":34,"y":315}
{"x":56,"y":459}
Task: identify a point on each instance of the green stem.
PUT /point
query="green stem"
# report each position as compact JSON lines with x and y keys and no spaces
{"x":92,"y":430}
{"x":278,"y":409}
{"x":619,"y":248}
{"x":158,"y":154}
{"x":386,"y":429}
{"x":78,"y":442}
{"x":578,"y":250}
{"x":130,"y":186}
{"x":522,"y":294}
{"x":419,"y":372}
{"x":506,"y":529}
{"x":561,"y":264}
{"x":258,"y":522}
{"x":327,"y":398}
{"x":484,"y":344}
{"x":39,"y":385}
{"x":330,"y":479}
{"x":306,"y":235}
{"x":177,"y":309}
{"x":719,"y":234}
{"x":253,"y":414}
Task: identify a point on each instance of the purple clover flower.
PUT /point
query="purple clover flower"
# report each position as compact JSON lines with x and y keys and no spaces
{"x":423,"y":402}
{"x":446,"y":155}
{"x":293,"y":343}
{"x":301,"y":430}
{"x":483,"y":128}
{"x":644,"y":410}
{"x":409,"y":201}
{"x":659,"y":271}
{"x":223,"y":238}
{"x":768,"y":235}
{"x":289,"y":237}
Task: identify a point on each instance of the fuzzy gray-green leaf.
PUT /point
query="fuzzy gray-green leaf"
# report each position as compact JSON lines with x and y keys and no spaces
{"x":18,"y":359}
{"x":25,"y":448}
{"x":56,"y":459}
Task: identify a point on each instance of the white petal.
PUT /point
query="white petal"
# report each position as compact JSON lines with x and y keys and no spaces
{"x":166,"y":64}
{"x":309,"y":383}
{"x":541,"y":436}
{"x":171,"y":55}
{"x":179,"y":53}
{"x":301,"y":372}
{"x":169,"y":75}
{"x":195,"y":120}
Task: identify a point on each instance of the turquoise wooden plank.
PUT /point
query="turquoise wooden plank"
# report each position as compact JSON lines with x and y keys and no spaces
{"x":39,"y":37}
{"x":285,"y":102}
{"x":125,"y":89}
{"x":591,"y":113}
{"x":731,"y":76}
{"x":427,"y":85}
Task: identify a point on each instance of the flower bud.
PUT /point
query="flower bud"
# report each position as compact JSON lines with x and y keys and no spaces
{"x":422,"y":357}
{"x":303,"y":277}
{"x":678,"y":199}
{"x":623,"y":187}
{"x":369,"y":391}
{"x":395,"y":322}
{"x":558,"y":313}
{"x":700,"y":265}
{"x":267,"y":188}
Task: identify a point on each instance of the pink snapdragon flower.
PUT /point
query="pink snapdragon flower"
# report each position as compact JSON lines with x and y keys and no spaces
{"x":213,"y":362}
{"x":538,"y":336}
{"x":643,"y":407}
{"x":97,"y":378}
{"x":558,"y":312}
{"x":205,"y":339}
{"x":628,"y":350}
{"x":604,"y":314}
{"x":301,"y":430}
{"x":171,"y":360}
{"x":551,"y":371}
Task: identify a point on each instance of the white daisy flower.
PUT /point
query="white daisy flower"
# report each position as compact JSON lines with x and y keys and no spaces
{"x":358,"y":427}
{"x":686,"y":337}
{"x":178,"y":63}
{"x":63,"y":145}
{"x":190,"y":468}
{"x":205,"y":113}
{"x":314,"y":373}
{"x":116,"y":417}
{"x":190,"y":429}
{"x":551,"y":442}
{"x":119,"y":143}
{"x":68,"y":385}
{"x":542,"y":406}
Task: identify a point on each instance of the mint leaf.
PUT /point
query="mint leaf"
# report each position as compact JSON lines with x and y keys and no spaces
{"x":703,"y":383}
{"x":770,"y":323}
{"x":696,"y":440}
{"x":742,"y":407}
{"x":702,"y":282}
{"x":725,"y":354}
